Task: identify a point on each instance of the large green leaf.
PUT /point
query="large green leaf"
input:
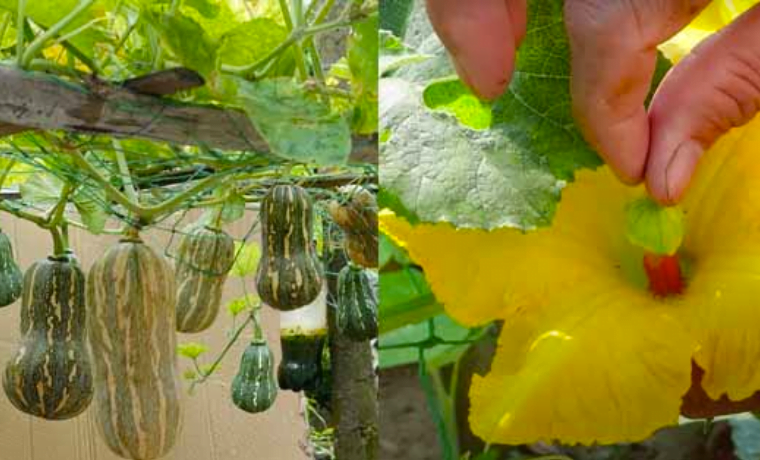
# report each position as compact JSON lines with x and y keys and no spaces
{"x":362,"y":61}
{"x":507,"y":175}
{"x":187,"y":40}
{"x":43,"y":191}
{"x":405,"y":298}
{"x":251,"y":41}
{"x":88,"y":201}
{"x":394,"y":15}
{"x":439,"y":355}
{"x":297,"y":125}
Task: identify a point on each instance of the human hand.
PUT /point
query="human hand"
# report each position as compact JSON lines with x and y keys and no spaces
{"x":613,"y":45}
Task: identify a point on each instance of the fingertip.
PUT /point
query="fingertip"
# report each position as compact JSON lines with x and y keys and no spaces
{"x":480,"y":41}
{"x":670,"y":173}
{"x":485,"y":89}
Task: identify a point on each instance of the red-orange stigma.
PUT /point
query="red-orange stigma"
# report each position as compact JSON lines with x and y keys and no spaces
{"x":664,"y":274}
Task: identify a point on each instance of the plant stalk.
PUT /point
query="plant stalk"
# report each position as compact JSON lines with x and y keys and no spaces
{"x":39,"y":42}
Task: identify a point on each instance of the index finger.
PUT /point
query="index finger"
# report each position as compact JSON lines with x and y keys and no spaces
{"x":481,"y":36}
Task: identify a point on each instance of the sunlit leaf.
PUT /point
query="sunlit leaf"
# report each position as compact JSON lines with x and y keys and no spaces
{"x":191,"y":350}
{"x":241,"y":304}
{"x":187,"y":40}
{"x":251,"y":41}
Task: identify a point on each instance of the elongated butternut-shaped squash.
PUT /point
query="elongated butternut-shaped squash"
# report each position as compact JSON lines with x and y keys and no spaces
{"x":50,"y":375}
{"x":11,"y":278}
{"x":204,"y":258}
{"x":131,"y":295}
{"x":289,"y":275}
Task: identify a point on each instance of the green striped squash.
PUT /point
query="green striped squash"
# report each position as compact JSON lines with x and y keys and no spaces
{"x":204,"y":259}
{"x":131,"y":295}
{"x":356,"y":315}
{"x":11,"y":278}
{"x":50,"y":375}
{"x":289,"y":275}
{"x":254,"y":388}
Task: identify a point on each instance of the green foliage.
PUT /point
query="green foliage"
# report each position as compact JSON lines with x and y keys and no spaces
{"x":510,"y":174}
{"x":655,"y":228}
{"x":246,"y":56}
{"x":233,"y":208}
{"x":362,"y":61}
{"x":406,"y":299}
{"x":191,"y":350}
{"x":251,"y":41}
{"x":452,"y":97}
{"x":446,"y":329}
{"x":47,"y":12}
{"x":241,"y":304}
{"x":297,"y":125}
{"x":395,"y":14}
{"x":247,"y":259}
{"x":395,"y":54}
{"x":187,"y":41}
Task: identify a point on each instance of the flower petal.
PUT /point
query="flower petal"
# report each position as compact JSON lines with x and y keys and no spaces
{"x":714,"y":17}
{"x":480,"y":275}
{"x":726,"y":320}
{"x":613,"y":369}
{"x":723,"y":243}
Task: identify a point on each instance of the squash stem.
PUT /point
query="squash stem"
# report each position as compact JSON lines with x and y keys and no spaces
{"x":20,"y":23}
{"x":39,"y":42}
{"x":59,"y":242}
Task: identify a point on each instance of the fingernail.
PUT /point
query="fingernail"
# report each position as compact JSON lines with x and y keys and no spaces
{"x":681,"y":167}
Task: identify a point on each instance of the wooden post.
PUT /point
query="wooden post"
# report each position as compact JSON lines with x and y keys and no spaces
{"x":35,"y":100}
{"x":354,"y":383}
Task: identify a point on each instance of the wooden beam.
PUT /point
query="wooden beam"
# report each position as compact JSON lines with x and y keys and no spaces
{"x":34,"y":100}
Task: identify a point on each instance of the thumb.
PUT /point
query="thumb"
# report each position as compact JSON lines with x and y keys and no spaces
{"x":715,"y":88}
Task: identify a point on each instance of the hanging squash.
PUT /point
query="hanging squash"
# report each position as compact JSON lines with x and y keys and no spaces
{"x":302,"y":338}
{"x":11,"y":278}
{"x":356,"y":315}
{"x":254,"y":388}
{"x":289,"y":275}
{"x":357,"y":217}
{"x":131,"y":323}
{"x":50,"y":375}
{"x":204,"y":258}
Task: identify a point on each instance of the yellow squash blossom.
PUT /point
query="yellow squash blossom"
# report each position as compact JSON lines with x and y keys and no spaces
{"x":716,"y":15}
{"x":588,"y":353}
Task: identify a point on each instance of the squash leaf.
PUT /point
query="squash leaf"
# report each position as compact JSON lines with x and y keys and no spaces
{"x":241,"y":304}
{"x":297,"y":125}
{"x":191,"y":350}
{"x":509,"y":174}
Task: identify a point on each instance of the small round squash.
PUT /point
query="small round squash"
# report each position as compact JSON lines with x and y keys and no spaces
{"x":254,"y":388}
